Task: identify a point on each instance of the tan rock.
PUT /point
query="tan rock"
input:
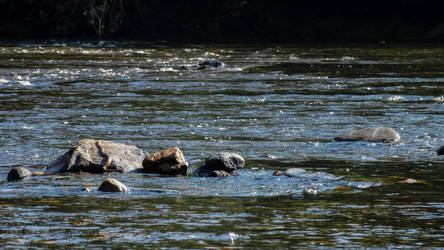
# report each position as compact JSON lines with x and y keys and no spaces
{"x":37,"y":173}
{"x":168,"y":162}
{"x":112,"y":185}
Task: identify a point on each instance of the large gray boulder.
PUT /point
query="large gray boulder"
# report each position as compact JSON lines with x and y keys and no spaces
{"x":374,"y":134}
{"x":221,"y":164}
{"x":98,"y":156}
{"x":167,"y":162}
{"x":440,"y":150}
{"x":18,"y":173}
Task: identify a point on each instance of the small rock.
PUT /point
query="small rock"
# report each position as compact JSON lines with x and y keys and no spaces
{"x":86,"y":189}
{"x":413,"y":181}
{"x":408,"y":181}
{"x":18,"y":173}
{"x":225,"y":161}
{"x":440,"y":150}
{"x":219,"y":173}
{"x":277,"y":173}
{"x":209,"y":63}
{"x":112,"y":185}
{"x":375,"y":134}
{"x":168,"y":162}
{"x":291,"y":172}
{"x":204,"y":172}
{"x":221,"y":164}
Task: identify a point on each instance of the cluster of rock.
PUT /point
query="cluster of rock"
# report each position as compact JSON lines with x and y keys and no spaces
{"x":100,"y":156}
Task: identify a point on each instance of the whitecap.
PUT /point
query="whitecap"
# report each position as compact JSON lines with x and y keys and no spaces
{"x":26,"y":127}
{"x":24,"y":83}
{"x":234,"y":69}
{"x":347,"y":58}
{"x":394,"y":98}
{"x":436,"y":99}
{"x":211,"y":55}
{"x":167,"y":69}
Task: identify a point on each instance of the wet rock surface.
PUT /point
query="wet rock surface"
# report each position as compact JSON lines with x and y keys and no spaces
{"x":18,"y":173}
{"x":167,"y":162}
{"x":440,"y":150}
{"x":112,"y":185}
{"x":204,"y":172}
{"x":373,"y":134}
{"x":225,"y":161}
{"x":291,"y":172}
{"x":98,"y":156}
{"x":220,"y":165}
{"x":206,"y":64}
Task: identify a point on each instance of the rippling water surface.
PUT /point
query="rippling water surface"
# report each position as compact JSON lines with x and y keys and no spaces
{"x":277,"y":106}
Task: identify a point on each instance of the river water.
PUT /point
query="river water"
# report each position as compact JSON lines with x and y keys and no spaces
{"x":279,"y":106}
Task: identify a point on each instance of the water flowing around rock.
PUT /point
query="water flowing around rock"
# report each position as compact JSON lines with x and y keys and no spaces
{"x":98,"y":156}
{"x":376,"y":134}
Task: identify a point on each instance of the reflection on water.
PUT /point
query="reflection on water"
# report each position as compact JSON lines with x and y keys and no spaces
{"x":278,"y":106}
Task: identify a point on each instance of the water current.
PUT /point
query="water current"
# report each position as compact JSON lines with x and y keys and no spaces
{"x":279,"y":106}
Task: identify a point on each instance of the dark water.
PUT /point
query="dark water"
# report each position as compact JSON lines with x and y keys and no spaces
{"x":278,"y":106}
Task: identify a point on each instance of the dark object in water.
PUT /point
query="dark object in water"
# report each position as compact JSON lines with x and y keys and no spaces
{"x":205,"y":64}
{"x":440,"y":150}
{"x":203,"y":171}
{"x":18,"y":173}
{"x":375,"y":134}
{"x":86,"y":189}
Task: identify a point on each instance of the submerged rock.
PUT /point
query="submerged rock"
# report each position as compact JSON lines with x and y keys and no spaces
{"x":209,"y":64}
{"x":112,"y":185}
{"x":38,"y":173}
{"x":220,"y":165}
{"x":291,"y":172}
{"x":205,"y":172}
{"x":98,"y":156}
{"x":18,"y":173}
{"x":86,"y":189}
{"x":440,"y":150}
{"x":167,"y":162}
{"x":375,"y":134}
